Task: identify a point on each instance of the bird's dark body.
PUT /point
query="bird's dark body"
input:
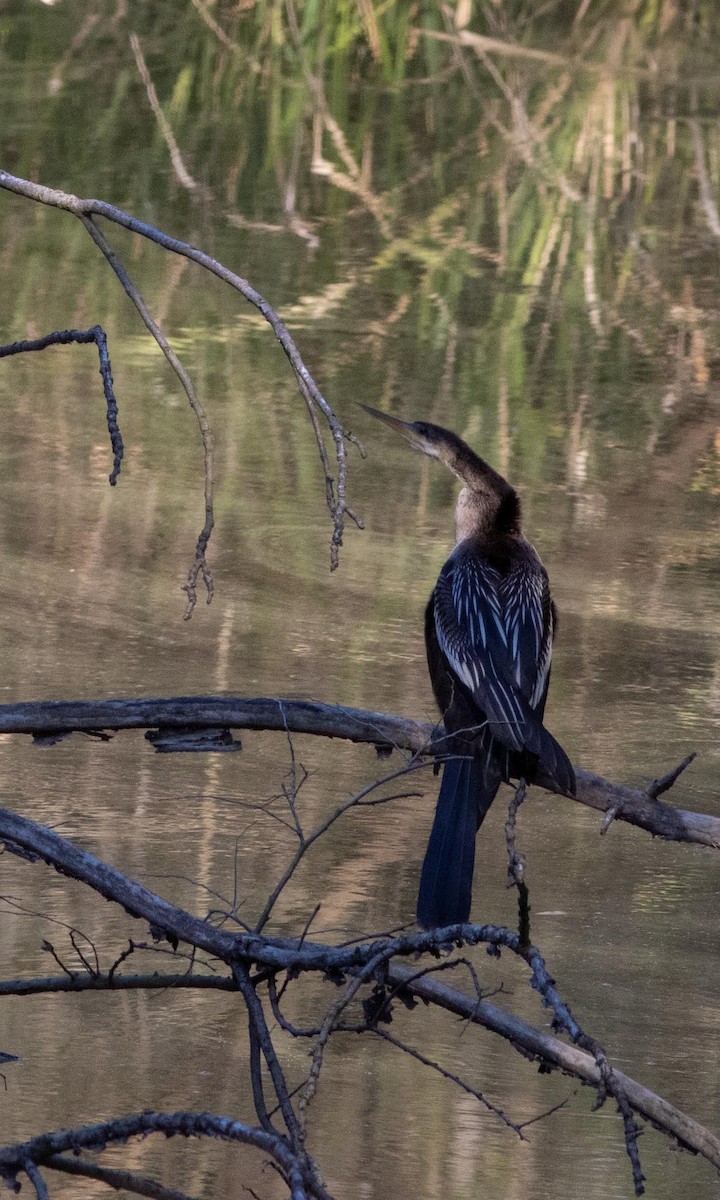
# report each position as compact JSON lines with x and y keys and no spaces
{"x":489,"y":629}
{"x":470,"y":781}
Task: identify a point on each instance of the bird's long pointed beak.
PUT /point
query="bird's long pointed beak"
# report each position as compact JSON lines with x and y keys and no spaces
{"x":403,"y":427}
{"x":424,"y":437}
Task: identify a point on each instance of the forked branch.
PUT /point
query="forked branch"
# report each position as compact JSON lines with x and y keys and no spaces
{"x":335,"y":485}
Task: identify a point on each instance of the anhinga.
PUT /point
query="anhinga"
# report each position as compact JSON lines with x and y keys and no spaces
{"x":489,"y":630}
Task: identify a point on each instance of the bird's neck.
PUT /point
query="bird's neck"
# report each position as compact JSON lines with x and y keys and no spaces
{"x":487,"y":505}
{"x":481,"y":514}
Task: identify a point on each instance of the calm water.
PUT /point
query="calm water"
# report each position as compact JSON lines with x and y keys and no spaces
{"x":573,"y":341}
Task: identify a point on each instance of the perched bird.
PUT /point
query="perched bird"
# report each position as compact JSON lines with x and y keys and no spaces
{"x":489,"y":628}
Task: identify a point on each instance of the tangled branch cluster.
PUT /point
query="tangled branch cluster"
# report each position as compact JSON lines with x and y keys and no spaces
{"x":370,"y":982}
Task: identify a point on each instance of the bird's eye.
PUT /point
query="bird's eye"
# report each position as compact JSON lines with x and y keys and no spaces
{"x":421,"y":428}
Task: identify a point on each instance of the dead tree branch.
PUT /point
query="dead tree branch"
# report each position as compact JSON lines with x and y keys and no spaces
{"x":115,"y":983}
{"x":317,"y":405}
{"x":553,"y":1053}
{"x":51,"y":720}
{"x":64,"y":337}
{"x":124,"y":1181}
{"x":25,"y":1157}
{"x":255,"y":959}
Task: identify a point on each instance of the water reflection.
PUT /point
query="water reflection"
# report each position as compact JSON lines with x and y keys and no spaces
{"x":553,"y":299}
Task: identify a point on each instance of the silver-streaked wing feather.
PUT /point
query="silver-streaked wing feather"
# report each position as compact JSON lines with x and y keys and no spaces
{"x":527,"y":613}
{"x":479,"y":643}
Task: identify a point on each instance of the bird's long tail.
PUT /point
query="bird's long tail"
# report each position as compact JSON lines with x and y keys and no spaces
{"x":466,"y":793}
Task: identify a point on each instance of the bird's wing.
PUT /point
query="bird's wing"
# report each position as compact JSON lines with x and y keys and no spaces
{"x":528,"y":618}
{"x":493,"y":657}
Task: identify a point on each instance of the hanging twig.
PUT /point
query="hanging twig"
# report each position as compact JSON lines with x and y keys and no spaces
{"x":200,"y":566}
{"x":64,"y":337}
{"x":336,"y":489}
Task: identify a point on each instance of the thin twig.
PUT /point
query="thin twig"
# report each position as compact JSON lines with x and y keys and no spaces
{"x":304,"y":843}
{"x":291,"y":793}
{"x":126,"y":1181}
{"x":516,"y":861}
{"x":516,"y":864}
{"x":50,"y":949}
{"x":353,"y":987}
{"x":260,"y":1038}
{"x":91,"y":970}
{"x":548,"y":1112}
{"x":457,"y":1079}
{"x":665,"y":782}
{"x":200,"y":566}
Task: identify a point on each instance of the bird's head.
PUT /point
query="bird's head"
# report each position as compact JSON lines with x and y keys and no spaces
{"x":493,"y":503}
{"x":424,"y":437}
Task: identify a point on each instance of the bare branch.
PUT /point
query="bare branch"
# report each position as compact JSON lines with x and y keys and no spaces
{"x":126,"y":1181}
{"x":36,"y":1180}
{"x":21,"y":1157}
{"x":63,"y":337}
{"x":50,"y":949}
{"x":516,"y":864}
{"x":331,"y":1018}
{"x":557,"y":1054}
{"x":200,"y":566}
{"x":516,"y":861}
{"x":314,"y":399}
{"x":261,"y":1040}
{"x":546,"y":1112}
{"x":356,"y":801}
{"x":456,"y":1079}
{"x":385,"y":731}
{"x":116,"y":983}
{"x":658,"y":786}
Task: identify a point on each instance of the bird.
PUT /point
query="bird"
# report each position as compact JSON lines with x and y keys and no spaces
{"x":489,"y":630}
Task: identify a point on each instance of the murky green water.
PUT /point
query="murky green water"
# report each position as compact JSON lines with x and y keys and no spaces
{"x":554,"y":298}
